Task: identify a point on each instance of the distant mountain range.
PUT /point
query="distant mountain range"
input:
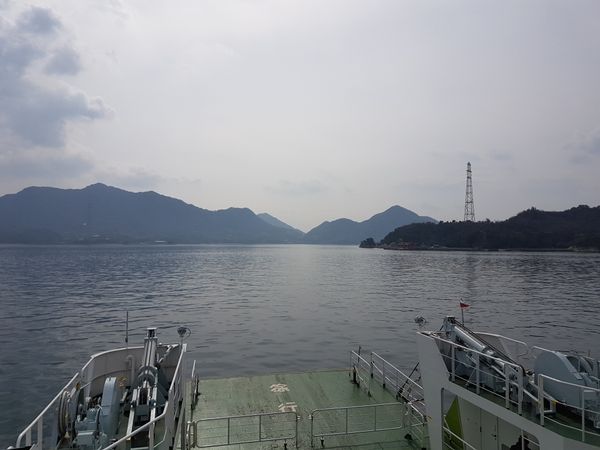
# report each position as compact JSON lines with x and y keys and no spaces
{"x":276,"y":222}
{"x":100,"y":213}
{"x":105,"y":214}
{"x":346,"y":231}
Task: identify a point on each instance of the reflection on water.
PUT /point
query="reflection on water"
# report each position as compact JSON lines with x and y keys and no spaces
{"x":259,"y":309}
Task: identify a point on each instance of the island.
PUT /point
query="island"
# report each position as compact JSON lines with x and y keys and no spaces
{"x":575,"y":229}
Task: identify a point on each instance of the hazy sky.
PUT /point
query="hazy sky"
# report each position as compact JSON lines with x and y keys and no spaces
{"x":308,"y":110}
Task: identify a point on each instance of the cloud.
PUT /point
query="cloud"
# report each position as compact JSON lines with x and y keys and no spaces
{"x":17,"y":54}
{"x":114,"y":7}
{"x":64,"y":61}
{"x":49,"y":111}
{"x":591,"y":143}
{"x":36,"y":164}
{"x":501,"y":156}
{"x":298,"y":188}
{"x":35,"y":113}
{"x":585,"y":147}
{"x":132,"y":178}
{"x":37,"y":20}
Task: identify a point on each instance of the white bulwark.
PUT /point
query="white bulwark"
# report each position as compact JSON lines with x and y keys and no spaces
{"x":481,"y":392}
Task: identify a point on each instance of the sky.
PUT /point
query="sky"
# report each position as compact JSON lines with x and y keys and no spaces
{"x":308,"y":110}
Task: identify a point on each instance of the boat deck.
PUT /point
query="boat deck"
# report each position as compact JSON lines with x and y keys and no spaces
{"x":294,"y":398}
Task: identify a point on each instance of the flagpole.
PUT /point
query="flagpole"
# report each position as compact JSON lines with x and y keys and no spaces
{"x":462,"y":306}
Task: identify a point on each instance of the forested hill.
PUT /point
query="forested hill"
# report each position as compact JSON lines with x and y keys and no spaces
{"x":577,"y":228}
{"x":105,"y":214}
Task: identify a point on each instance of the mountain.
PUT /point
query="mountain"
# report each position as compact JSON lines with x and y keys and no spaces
{"x":577,"y":228}
{"x":276,"y":222}
{"x":346,"y":231}
{"x":100,"y":213}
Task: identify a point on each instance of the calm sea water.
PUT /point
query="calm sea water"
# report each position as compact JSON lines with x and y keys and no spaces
{"x":256,"y":309}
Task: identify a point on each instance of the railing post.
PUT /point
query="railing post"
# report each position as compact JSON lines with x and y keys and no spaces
{"x":151,"y":437}
{"x":371,"y":364}
{"x":28,"y":437}
{"x":40,"y":433}
{"x":383,"y":373}
{"x":541,"y":398}
{"x":297,"y":417}
{"x":582,"y":415}
{"x":312,"y":418}
{"x":375,"y":418}
{"x":228,"y":430}
{"x":260,"y":428}
{"x":506,"y":387}
{"x":477,"y":374}
{"x":346,"y":420}
{"x":195,"y":441}
{"x":453,"y":354}
{"x":520,"y":391}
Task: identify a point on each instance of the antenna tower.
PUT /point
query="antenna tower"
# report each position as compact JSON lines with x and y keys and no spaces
{"x":469,"y":206}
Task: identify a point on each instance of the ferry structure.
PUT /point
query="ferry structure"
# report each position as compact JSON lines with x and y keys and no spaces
{"x":470,"y":390}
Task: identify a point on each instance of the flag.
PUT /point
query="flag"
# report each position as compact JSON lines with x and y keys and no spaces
{"x":464,"y":305}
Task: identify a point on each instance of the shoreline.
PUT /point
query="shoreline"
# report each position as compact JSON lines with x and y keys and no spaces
{"x":494,"y":250}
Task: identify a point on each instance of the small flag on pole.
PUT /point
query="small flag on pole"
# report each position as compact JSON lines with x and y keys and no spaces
{"x":463,"y":306}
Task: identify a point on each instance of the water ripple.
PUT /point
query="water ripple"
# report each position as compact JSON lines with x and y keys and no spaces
{"x":256,"y":309}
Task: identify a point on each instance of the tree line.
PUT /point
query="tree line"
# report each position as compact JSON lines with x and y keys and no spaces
{"x":575,"y":228}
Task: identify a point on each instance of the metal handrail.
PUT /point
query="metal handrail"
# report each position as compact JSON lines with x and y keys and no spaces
{"x":346,"y":409}
{"x":39,"y":419}
{"x":587,"y":388}
{"x":194,"y":393}
{"x":161,"y":416}
{"x":456,"y":436}
{"x":506,"y":379}
{"x":372,"y":366}
{"x":80,"y":374}
{"x":192,"y":428}
{"x":485,"y":355}
{"x":581,"y":406}
{"x":516,"y":341}
{"x":158,"y":418}
{"x":405,"y":377}
{"x":26,"y":433}
{"x":517,"y":368}
{"x":368,"y":366}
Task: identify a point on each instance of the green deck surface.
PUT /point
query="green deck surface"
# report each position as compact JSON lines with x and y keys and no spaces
{"x":304,"y":392}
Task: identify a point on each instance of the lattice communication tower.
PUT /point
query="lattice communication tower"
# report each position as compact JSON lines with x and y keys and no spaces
{"x":469,"y":205}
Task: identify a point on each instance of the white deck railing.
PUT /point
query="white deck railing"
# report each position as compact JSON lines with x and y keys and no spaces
{"x":375,"y":368}
{"x":347,"y":420}
{"x":169,"y":414}
{"x":33,"y":434}
{"x":243,"y":429}
{"x":514,"y":381}
{"x":585,"y":392}
{"x":38,"y":423}
{"x":512,"y":376}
